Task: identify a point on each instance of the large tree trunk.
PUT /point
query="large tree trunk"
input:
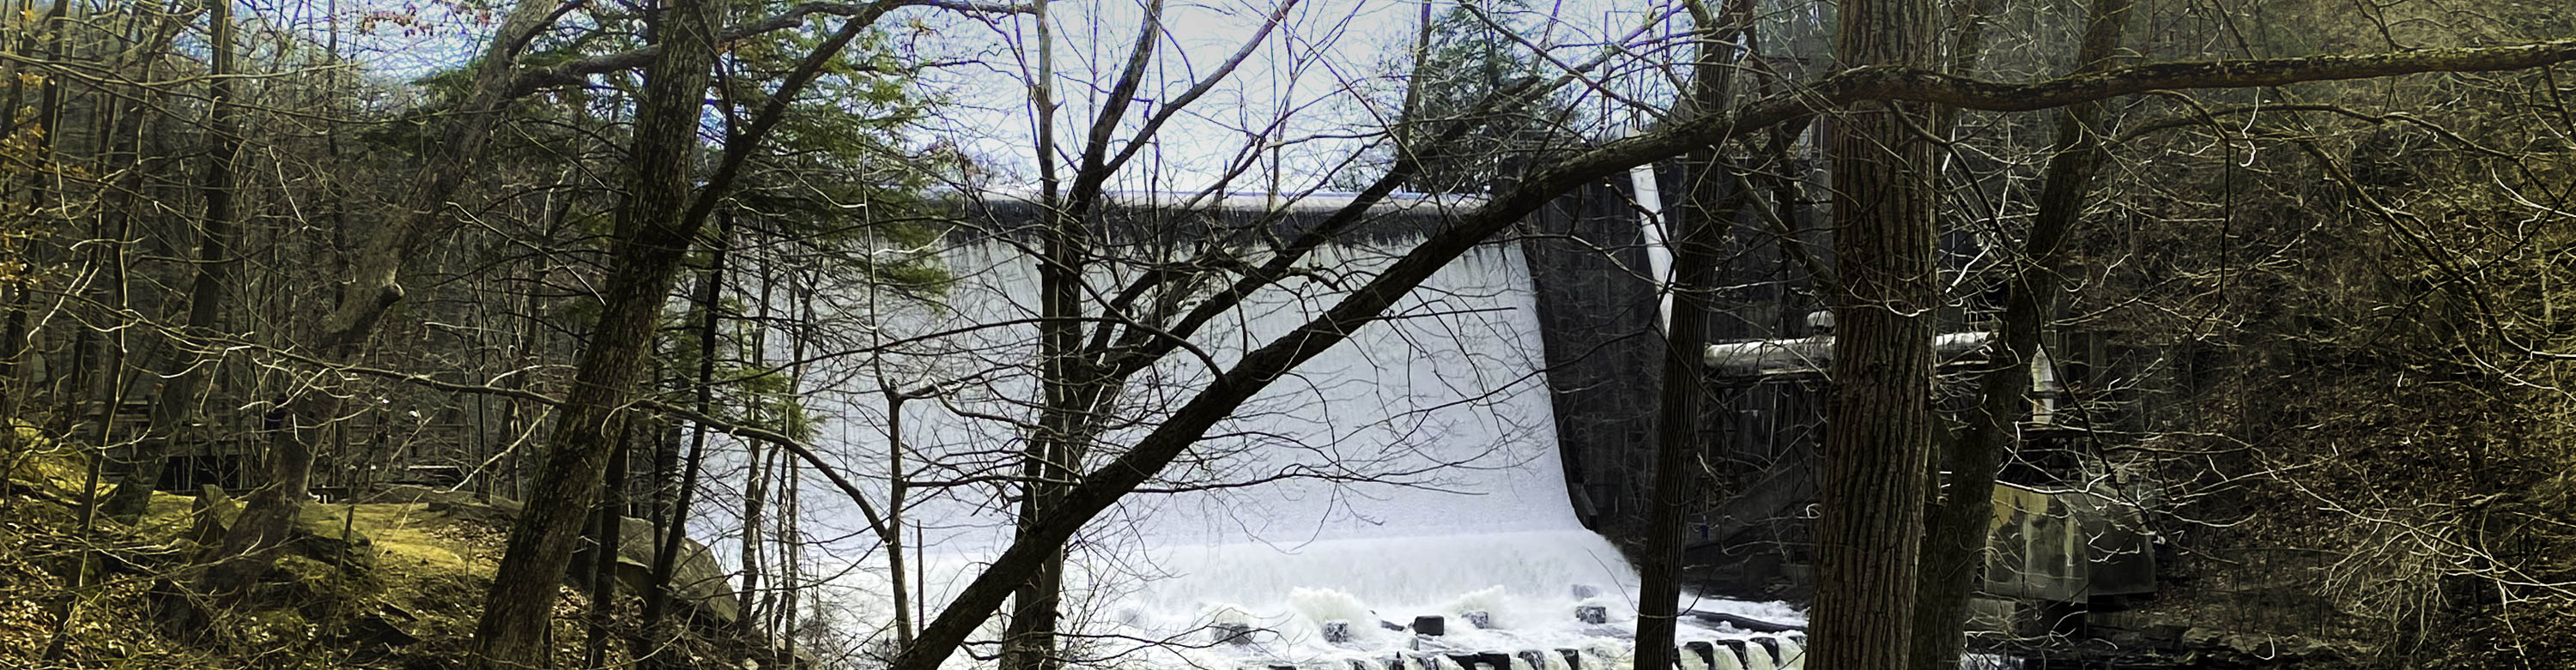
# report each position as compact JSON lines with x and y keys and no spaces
{"x":653,"y":235}
{"x":1028,"y":636}
{"x":40,"y":196}
{"x":1028,"y":641}
{"x":1880,"y":421}
{"x":1954,"y":545}
{"x":122,"y":126}
{"x":1074,"y":388}
{"x":14,"y":335}
{"x":1051,"y":461}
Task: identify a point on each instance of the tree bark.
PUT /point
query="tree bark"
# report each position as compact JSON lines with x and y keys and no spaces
{"x":1879,"y":425}
{"x":40,"y":196}
{"x":902,"y":591}
{"x":755,"y":495}
{"x":1677,"y":418}
{"x":666,"y":557}
{"x":121,"y":127}
{"x":1073,"y":387}
{"x":1706,"y":200}
{"x":755,"y":499}
{"x":653,"y":234}
{"x":1028,"y":636}
{"x":612,"y":527}
{"x":791,"y":583}
{"x":1954,"y":545}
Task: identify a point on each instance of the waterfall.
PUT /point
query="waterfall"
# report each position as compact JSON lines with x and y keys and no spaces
{"x":1409,"y":471}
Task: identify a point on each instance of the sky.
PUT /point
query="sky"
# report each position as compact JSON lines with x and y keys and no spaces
{"x":1330,"y":73}
{"x":1295,"y":110}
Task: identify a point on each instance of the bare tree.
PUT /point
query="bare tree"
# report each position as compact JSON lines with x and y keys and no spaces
{"x":1899,"y":523}
{"x":1702,"y":221}
{"x":656,"y":223}
{"x":1954,"y":549}
{"x":271,"y":512}
{"x":187,"y":373}
{"x":1137,"y":336}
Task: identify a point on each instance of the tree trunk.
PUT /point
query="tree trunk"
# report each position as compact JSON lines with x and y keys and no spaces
{"x":666,"y":557}
{"x":791,"y":555}
{"x":1028,"y":635}
{"x":1705,"y":212}
{"x":15,"y":336}
{"x":653,"y":235}
{"x":121,"y":125}
{"x":1075,"y":386}
{"x":190,"y":375}
{"x":269,"y":513}
{"x":612,"y":527}
{"x":41,"y":194}
{"x":1954,"y":545}
{"x":755,"y":500}
{"x":755,"y":495}
{"x":1878,"y":427}
{"x":1677,"y":417}
{"x":902,"y":591}
{"x":519,"y":418}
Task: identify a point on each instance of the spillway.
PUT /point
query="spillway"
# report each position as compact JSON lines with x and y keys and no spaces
{"x":1408,"y":472}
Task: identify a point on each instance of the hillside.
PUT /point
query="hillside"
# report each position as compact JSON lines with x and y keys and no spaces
{"x":395,"y":582}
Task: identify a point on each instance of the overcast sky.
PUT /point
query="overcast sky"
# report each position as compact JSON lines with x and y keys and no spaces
{"x":1306,"y":90}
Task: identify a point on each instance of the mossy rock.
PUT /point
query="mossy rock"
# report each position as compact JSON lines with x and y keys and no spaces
{"x":51,"y":470}
{"x":701,"y":583}
{"x":320,"y":532}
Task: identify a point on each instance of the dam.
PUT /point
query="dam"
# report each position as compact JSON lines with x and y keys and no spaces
{"x":1401,"y":501}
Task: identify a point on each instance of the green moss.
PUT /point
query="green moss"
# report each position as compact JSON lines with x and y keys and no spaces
{"x":371,"y":585}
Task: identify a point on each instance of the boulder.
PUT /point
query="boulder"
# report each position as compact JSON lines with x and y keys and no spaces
{"x":320,"y":533}
{"x":702,"y":584}
{"x":699,"y":581}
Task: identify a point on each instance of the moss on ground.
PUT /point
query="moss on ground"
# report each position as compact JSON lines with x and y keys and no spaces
{"x":369,"y":585}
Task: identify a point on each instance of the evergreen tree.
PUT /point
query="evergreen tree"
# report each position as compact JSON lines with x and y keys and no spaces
{"x":1468,"y":55}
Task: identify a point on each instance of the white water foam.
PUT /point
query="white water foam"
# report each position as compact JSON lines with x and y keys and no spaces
{"x":1410,"y":471}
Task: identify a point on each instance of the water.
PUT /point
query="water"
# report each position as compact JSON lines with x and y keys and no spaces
{"x":1757,"y":658}
{"x":1728,"y":660}
{"x":1409,"y":471}
{"x":1690,"y":660}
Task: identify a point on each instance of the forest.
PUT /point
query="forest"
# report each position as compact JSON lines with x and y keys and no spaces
{"x":1037,"y":335}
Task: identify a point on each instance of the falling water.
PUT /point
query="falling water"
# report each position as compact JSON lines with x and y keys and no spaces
{"x":1793,"y":656}
{"x":1758,"y":658}
{"x":1727,"y":660}
{"x":1410,"y":471}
